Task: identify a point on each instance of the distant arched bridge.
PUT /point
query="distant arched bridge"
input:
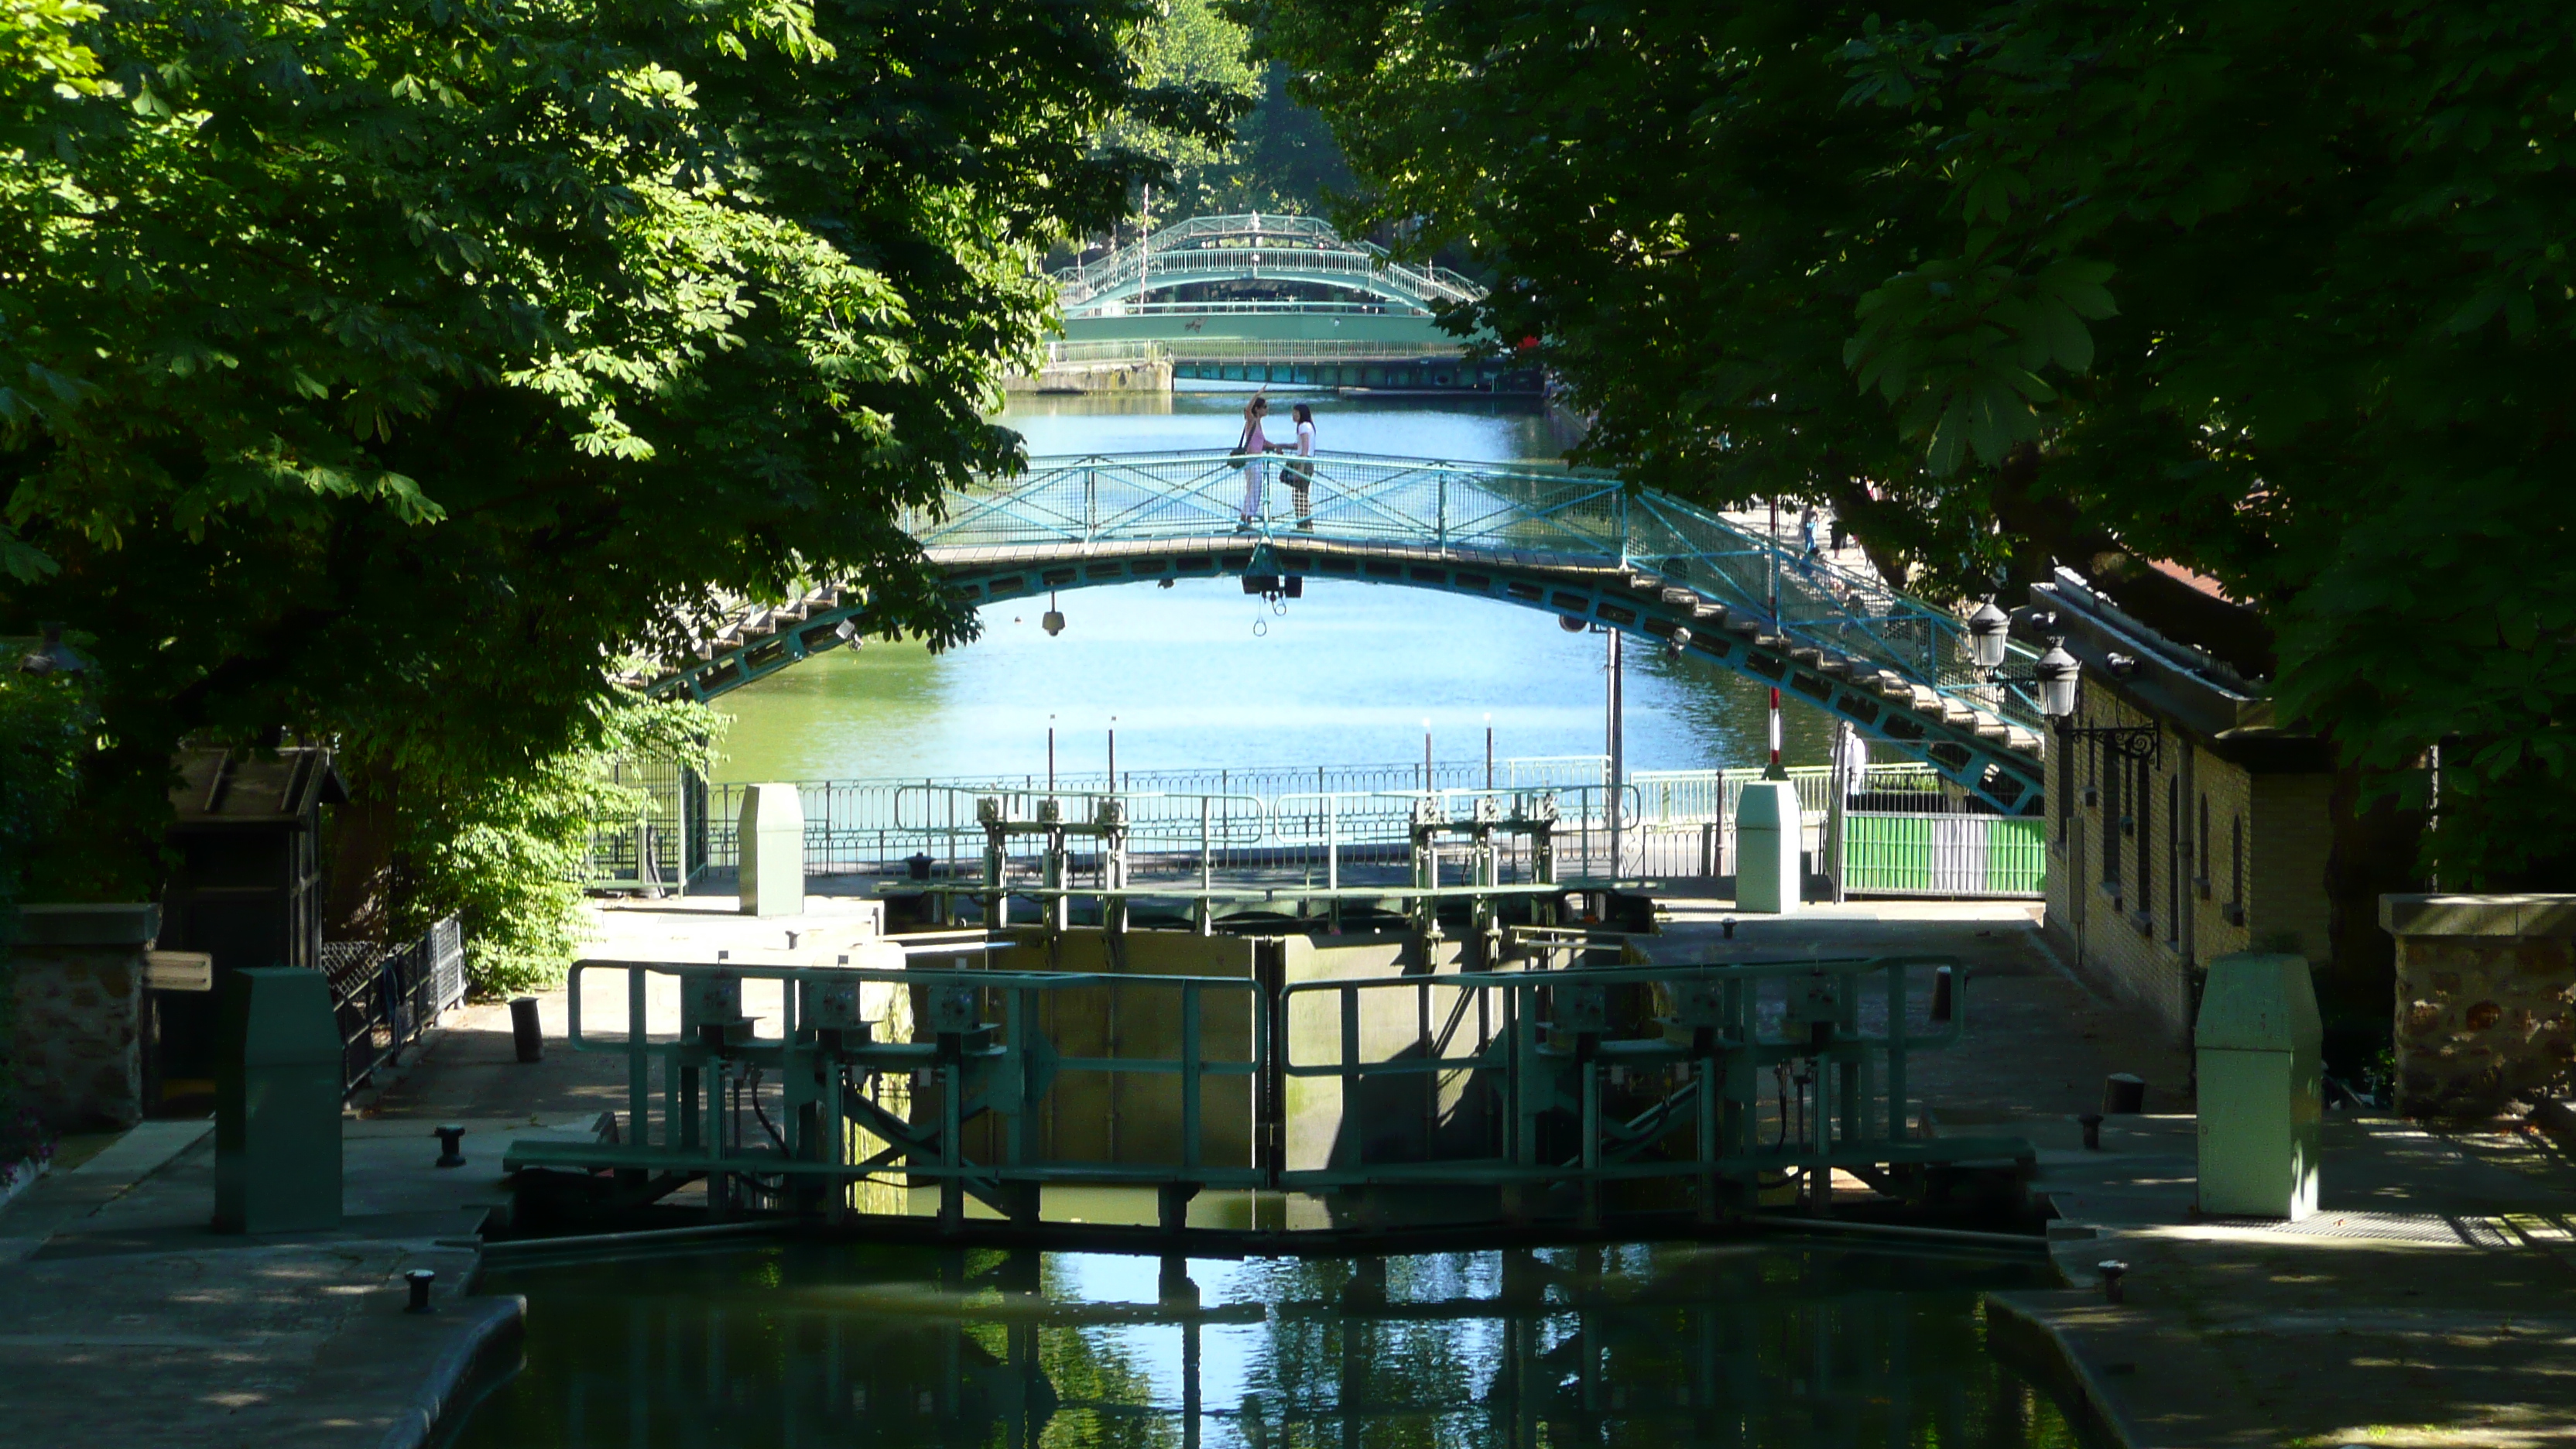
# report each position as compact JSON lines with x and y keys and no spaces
{"x":1577,"y":545}
{"x":1256,"y":248}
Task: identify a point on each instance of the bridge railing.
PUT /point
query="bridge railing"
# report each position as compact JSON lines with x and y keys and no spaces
{"x":1538,"y":515}
{"x":1905,"y":830}
{"x":1213,"y":244}
{"x":1221,"y":349}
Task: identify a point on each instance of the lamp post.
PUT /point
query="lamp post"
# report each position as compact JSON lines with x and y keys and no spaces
{"x":2056,"y":676}
{"x":1489,"y":751}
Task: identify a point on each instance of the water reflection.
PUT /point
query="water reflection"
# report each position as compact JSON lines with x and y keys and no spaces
{"x":1639,"y":1343}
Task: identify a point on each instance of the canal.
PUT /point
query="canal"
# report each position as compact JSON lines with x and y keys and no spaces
{"x":1780,"y":1343}
{"x":1201,"y":675}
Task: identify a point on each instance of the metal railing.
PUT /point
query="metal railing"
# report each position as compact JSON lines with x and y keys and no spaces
{"x":1558,"y":517}
{"x":1253,"y":244}
{"x":384,"y":998}
{"x":1906,"y":831}
{"x":1524,"y":1078}
{"x":865,"y":1087}
{"x":1676,"y":1094}
{"x":1229,"y":349}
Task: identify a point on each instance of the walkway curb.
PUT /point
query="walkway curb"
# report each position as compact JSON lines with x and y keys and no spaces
{"x":488,"y":1329}
{"x":2022,"y":1332}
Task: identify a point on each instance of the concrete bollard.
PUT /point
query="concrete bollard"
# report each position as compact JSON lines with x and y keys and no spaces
{"x":2262,"y":1087}
{"x":527,"y":1037}
{"x":772,"y":833}
{"x":1768,"y":830}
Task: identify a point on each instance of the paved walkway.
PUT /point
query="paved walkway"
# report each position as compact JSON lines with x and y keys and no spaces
{"x":127,"y":1321}
{"x":2429,"y":1304}
{"x":2432,"y":1302}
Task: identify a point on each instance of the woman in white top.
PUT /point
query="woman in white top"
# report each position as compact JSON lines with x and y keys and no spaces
{"x":1301,"y":469}
{"x":1253,"y":450}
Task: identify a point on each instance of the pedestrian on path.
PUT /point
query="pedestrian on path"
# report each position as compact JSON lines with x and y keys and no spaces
{"x":1300,"y":471}
{"x":1252,"y":451}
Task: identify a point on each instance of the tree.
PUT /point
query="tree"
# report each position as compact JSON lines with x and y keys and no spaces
{"x":2276,"y":292}
{"x":1279,"y":156}
{"x":381,"y":369}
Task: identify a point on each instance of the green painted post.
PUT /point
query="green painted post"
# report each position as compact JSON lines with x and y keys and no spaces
{"x":1896,"y":1004}
{"x":1190,"y":1075}
{"x":639,"y":1066}
{"x":277,"y":1104}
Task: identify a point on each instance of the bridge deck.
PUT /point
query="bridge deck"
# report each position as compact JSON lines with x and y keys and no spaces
{"x":1578,"y":545}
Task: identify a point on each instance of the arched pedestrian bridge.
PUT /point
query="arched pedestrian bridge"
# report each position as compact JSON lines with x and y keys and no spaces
{"x":1576,"y":545}
{"x":1295,"y":250}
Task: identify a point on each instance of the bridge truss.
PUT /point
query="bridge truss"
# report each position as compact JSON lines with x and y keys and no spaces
{"x":1581,"y":546}
{"x":1254,"y":247}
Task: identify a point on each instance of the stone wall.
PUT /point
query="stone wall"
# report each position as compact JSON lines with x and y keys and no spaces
{"x":77,"y":975}
{"x":2486,"y":1000}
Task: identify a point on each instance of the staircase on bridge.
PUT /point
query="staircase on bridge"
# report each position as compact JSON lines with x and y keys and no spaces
{"x":1579,"y":545}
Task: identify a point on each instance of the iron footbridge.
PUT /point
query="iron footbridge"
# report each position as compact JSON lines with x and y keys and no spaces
{"x":1300,"y":250}
{"x":1578,"y":545}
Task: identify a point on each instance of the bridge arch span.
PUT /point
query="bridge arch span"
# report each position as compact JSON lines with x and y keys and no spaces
{"x":1577,"y":546}
{"x":1256,"y":247}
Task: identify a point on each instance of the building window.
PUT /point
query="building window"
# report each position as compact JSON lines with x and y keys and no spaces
{"x":2111,"y":773}
{"x":2201,"y":861}
{"x":2173,"y":859}
{"x":2065,"y":793}
{"x":2236,"y":867}
{"x":2146,"y":854}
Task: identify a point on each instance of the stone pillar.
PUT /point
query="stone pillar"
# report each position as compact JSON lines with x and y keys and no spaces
{"x":2484,"y":992}
{"x":772,"y":834}
{"x":77,"y":974}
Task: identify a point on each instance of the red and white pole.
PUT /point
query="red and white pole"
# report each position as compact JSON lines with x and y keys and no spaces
{"x":1775,"y":772}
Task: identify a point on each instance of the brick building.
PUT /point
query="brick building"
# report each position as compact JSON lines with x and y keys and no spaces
{"x":2186,"y":824}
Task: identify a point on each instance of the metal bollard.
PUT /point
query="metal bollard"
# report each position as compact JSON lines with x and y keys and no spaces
{"x":525,"y":1034}
{"x":1941,"y":1007}
{"x":451,"y":1151}
{"x":2092,"y":1131}
{"x":2113,"y":1270}
{"x":419,"y":1279}
{"x":2124,"y":1092}
{"x":1728,"y":926}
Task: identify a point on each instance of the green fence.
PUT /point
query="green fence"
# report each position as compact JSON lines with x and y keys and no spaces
{"x":1943,"y":855}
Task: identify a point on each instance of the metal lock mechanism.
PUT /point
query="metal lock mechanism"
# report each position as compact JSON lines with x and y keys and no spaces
{"x":1699,"y":1003}
{"x":1817,"y":1002}
{"x":1580,"y":1010}
{"x":954,"y":1009}
{"x":711,"y":1009}
{"x":833,"y":1010}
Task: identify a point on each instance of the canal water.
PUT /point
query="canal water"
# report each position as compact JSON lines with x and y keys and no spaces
{"x":1774,"y":1344}
{"x":1202,"y":676}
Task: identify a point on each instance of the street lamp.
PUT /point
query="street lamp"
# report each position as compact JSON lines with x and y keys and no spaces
{"x":1988,"y":629}
{"x":2056,"y":674}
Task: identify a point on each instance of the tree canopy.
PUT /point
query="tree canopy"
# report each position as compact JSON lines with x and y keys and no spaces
{"x":1278,"y":156}
{"x":385,"y":369}
{"x":2277,"y":292}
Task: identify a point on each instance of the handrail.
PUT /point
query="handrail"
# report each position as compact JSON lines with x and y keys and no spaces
{"x":1578,"y":518}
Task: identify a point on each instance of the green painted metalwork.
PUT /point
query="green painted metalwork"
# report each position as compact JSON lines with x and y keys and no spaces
{"x":1547,"y":1046}
{"x":1944,"y":855}
{"x":1254,"y":247}
{"x":1571,"y":1092}
{"x":1576,"y":544}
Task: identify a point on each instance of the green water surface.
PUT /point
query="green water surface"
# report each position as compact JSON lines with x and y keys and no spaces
{"x":1745,"y":1344}
{"x":1201,"y":676}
